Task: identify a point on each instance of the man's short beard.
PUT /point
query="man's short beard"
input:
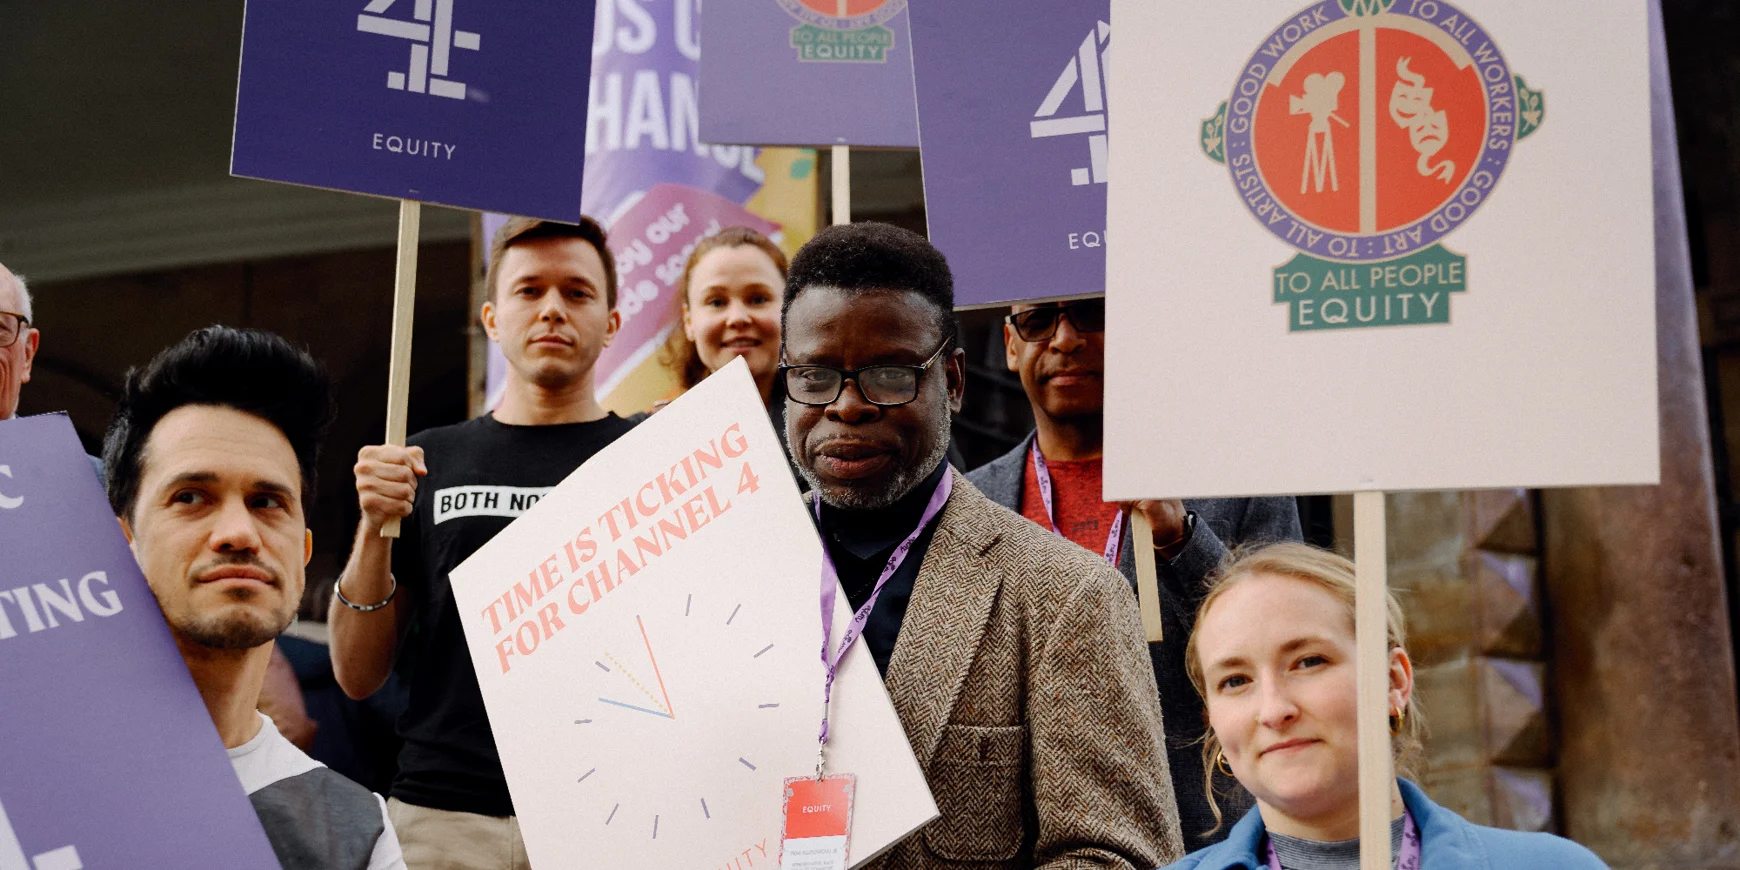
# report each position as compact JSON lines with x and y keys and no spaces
{"x":232,"y":632}
{"x":904,"y":480}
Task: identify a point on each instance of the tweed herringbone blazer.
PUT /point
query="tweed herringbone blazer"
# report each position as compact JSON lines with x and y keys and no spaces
{"x":1023,"y":682}
{"x":1222,"y":523}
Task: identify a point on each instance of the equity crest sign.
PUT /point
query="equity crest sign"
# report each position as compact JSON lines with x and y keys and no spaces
{"x":1362,"y":133}
{"x":842,"y":31}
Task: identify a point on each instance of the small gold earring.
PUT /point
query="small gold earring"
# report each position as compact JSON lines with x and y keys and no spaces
{"x":1397,"y":718}
{"x":1220,"y":762}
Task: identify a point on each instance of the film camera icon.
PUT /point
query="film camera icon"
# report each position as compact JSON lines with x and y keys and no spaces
{"x":1321,"y":99}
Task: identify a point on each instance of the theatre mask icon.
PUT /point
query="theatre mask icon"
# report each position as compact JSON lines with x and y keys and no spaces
{"x":1362,"y":133}
{"x":433,"y":38}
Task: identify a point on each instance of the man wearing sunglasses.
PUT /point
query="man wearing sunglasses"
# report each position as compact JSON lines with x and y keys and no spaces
{"x":18,"y":341}
{"x":1014,"y":659}
{"x":1053,"y":478}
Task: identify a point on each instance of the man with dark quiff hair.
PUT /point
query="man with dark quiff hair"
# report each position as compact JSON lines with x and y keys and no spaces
{"x":212,"y":452}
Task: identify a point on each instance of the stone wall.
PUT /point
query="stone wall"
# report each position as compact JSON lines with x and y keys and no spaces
{"x":1466,"y":568}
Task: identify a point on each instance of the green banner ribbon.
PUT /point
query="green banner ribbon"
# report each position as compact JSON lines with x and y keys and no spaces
{"x":1325,"y":294}
{"x":864,"y":45}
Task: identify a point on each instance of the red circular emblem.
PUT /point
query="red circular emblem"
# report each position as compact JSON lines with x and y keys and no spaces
{"x":844,"y":8}
{"x":1428,"y":130}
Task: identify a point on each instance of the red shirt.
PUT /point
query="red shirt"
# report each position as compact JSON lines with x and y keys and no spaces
{"x":1075,"y":492}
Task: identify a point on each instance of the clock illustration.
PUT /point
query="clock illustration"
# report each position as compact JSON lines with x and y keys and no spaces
{"x":685,"y":731}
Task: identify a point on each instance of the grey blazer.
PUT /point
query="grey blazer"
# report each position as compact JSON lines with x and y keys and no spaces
{"x":1222,"y":523}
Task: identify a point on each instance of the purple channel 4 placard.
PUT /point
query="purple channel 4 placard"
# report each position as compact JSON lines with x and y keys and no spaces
{"x":471,"y":103}
{"x":111,"y":757}
{"x":1012,"y":116}
{"x":807,"y":72}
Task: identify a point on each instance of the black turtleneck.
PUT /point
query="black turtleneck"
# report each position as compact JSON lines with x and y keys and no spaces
{"x":860,"y":543}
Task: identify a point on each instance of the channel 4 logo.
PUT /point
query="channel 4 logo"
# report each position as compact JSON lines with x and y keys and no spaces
{"x":12,"y":852}
{"x":433,"y":39}
{"x":7,"y":502}
{"x":1083,"y":77}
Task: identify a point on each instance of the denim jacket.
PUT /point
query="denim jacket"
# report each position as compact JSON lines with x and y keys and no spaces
{"x":1447,"y":842}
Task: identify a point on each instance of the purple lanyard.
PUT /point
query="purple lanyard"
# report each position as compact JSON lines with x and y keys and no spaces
{"x":1407,"y":859}
{"x":831,"y":582}
{"x":1114,"y":541}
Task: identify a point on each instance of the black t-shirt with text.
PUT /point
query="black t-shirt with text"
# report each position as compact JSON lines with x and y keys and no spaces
{"x":482,"y":474}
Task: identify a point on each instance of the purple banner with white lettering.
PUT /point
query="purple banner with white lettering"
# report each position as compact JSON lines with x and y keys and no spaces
{"x":809,"y":72}
{"x":1013,"y":111}
{"x":470,"y":103}
{"x":111,"y":757}
{"x":644,"y":125}
{"x":643,"y":133}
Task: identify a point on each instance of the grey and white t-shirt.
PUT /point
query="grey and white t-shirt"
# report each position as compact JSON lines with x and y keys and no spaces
{"x":316,"y":819}
{"x":1297,"y":854}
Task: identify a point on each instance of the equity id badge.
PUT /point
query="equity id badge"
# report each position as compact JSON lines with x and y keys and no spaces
{"x":818,"y":822}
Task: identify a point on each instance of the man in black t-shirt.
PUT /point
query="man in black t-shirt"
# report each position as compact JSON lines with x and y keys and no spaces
{"x":552,"y":309}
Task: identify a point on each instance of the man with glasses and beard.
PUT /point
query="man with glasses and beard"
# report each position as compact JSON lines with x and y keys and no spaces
{"x":19,"y":340}
{"x":1014,"y":659}
{"x":1053,"y":478}
{"x":213,"y":454}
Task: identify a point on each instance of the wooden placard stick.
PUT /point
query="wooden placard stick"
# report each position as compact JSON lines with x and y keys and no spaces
{"x":842,"y":184}
{"x":1147,"y":575}
{"x":404,"y":305}
{"x":1371,"y":633}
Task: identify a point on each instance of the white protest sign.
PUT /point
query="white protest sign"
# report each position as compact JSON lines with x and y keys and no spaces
{"x":648,"y":642}
{"x":1400,"y":244}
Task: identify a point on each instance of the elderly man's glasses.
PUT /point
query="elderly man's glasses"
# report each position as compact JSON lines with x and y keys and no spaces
{"x":11,"y":327}
{"x":886,"y":386}
{"x":1040,"y":324}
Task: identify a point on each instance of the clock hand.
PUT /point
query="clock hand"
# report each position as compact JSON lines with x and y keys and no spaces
{"x":623,"y":669}
{"x":655,"y":664}
{"x":660,"y":713}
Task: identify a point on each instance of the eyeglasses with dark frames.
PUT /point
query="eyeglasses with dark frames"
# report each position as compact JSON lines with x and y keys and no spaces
{"x":1040,"y":324}
{"x":886,"y":386}
{"x":12,"y":326}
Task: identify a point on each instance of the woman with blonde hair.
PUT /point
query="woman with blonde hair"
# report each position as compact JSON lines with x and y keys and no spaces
{"x":731,"y":289}
{"x":1273,"y":656}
